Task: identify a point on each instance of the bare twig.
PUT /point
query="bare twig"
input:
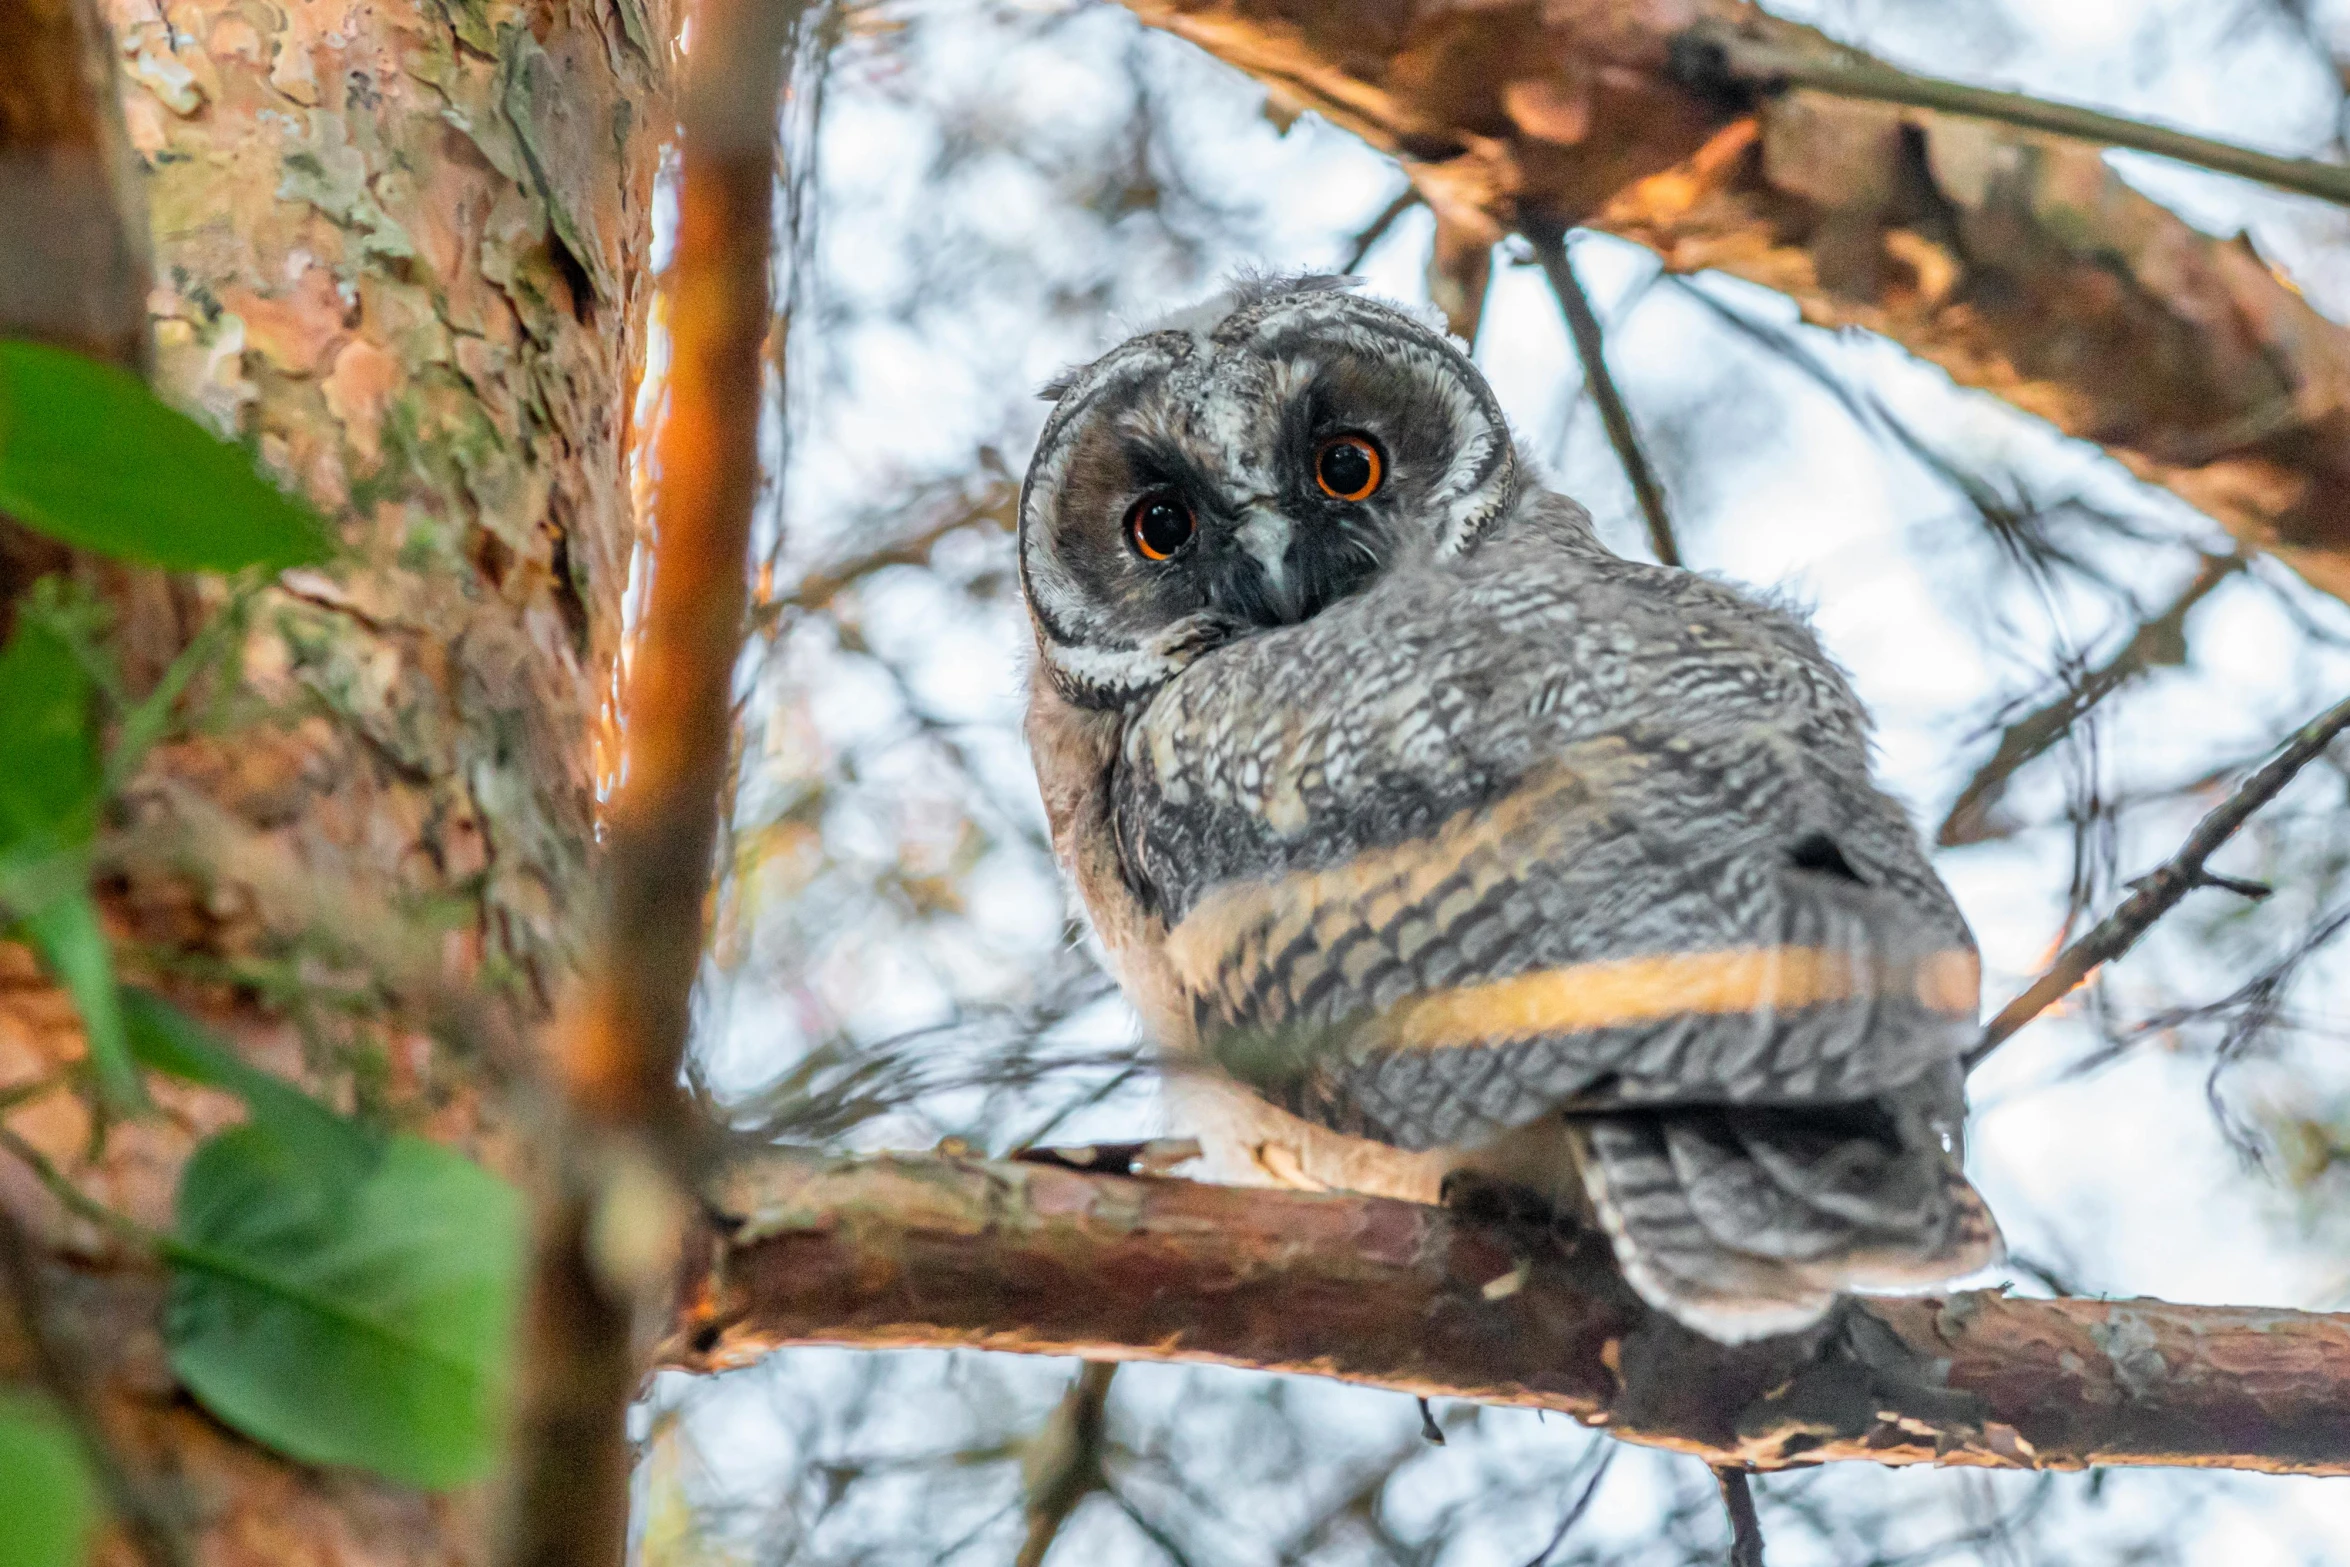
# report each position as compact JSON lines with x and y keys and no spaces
{"x":1430,"y":1432}
{"x":597,"y":1250}
{"x":2159,"y":640}
{"x":820,"y":587}
{"x":1036,"y":1259}
{"x":1723,"y":55}
{"x":1580,"y":1506}
{"x":2154,"y":894}
{"x":1064,"y":1463}
{"x":1550,"y":247}
{"x":1376,"y":230}
{"x":1746,"y":1541}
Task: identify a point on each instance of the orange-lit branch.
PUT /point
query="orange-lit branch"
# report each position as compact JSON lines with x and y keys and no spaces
{"x":1038,"y":1259}
{"x":619,"y":1056}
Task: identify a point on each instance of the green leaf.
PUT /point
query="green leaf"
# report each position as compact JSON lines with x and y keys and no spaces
{"x":365,"y":1323}
{"x":49,"y":769}
{"x":337,"y":1150}
{"x":46,"y":1496}
{"x":73,"y":943}
{"x":50,"y":781}
{"x":90,"y":456}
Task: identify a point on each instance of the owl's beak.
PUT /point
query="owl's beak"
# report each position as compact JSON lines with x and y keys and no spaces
{"x":1265,"y":535}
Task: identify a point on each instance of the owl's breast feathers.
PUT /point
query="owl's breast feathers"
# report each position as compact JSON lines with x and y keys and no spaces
{"x":1548,"y":851}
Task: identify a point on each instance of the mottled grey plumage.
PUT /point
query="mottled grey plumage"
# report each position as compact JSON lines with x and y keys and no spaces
{"x":1471,"y":849}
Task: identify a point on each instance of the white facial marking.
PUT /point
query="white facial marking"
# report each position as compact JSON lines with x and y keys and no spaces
{"x":1265,"y":535}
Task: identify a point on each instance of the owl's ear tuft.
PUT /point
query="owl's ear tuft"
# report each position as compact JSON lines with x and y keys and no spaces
{"x":1256,"y":286}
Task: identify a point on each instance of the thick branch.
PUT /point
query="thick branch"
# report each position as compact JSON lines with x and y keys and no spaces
{"x":1041,"y":1259}
{"x":598,"y":1247}
{"x":2016,"y":261}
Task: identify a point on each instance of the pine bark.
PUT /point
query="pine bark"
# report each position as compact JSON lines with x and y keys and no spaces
{"x":401,"y":248}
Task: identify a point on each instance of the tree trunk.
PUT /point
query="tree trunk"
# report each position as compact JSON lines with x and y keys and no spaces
{"x":402,"y":248}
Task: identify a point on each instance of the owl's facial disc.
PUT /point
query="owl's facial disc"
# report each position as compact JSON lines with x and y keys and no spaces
{"x":1217,"y":480}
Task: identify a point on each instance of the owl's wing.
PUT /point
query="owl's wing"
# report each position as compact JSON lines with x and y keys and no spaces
{"x":1645,"y":920}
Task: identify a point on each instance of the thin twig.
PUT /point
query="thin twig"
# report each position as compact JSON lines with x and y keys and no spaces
{"x":1430,"y":1431}
{"x":1376,"y":229}
{"x":1065,"y":1460}
{"x":819,"y":588}
{"x":2154,"y":895}
{"x":1550,"y":247}
{"x":1726,"y":57}
{"x":2159,"y":640}
{"x":1582,"y":1505}
{"x":1746,"y":1541}
{"x":78,"y":1202}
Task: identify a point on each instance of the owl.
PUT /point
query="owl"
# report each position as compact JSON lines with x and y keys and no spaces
{"x":1446,"y":853}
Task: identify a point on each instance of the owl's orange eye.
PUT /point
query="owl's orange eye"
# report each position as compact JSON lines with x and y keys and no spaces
{"x":1158,"y":525}
{"x":1348,"y":467}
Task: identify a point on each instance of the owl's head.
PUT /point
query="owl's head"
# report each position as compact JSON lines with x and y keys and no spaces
{"x":1242,"y":467}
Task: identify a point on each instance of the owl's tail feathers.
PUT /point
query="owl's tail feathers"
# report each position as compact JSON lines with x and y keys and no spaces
{"x":1744,"y":1223}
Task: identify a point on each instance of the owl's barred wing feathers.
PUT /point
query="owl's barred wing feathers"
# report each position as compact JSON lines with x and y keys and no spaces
{"x":1793,"y":1037}
{"x":1605,"y":935}
{"x":1679,"y":917}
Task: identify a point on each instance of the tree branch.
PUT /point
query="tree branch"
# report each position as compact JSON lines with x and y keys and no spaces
{"x":1550,"y":247}
{"x":2157,"y":641}
{"x":1040,"y":1259}
{"x":613,"y":1202}
{"x":1376,"y":230}
{"x":1063,"y":1465}
{"x":2158,"y":891}
{"x":2019,"y":263}
{"x":1746,"y":1540}
{"x":1760,"y":66}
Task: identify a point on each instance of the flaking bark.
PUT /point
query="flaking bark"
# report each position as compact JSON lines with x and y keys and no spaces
{"x":1037,"y":1259}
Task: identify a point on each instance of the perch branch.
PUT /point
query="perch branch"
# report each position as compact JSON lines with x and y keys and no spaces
{"x":2154,"y":894}
{"x":1041,"y":1259}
